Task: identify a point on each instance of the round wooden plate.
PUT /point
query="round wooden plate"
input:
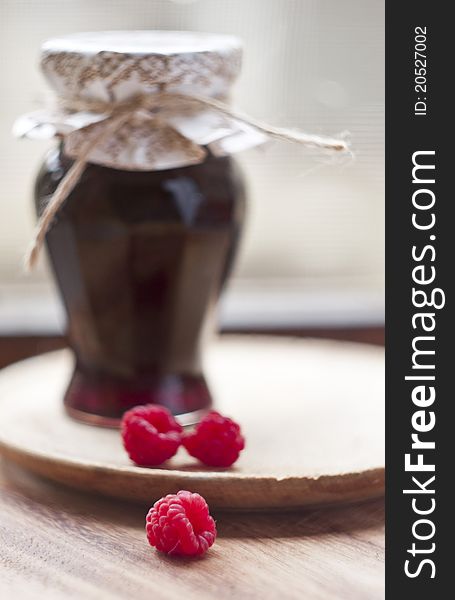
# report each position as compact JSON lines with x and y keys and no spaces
{"x":312,"y":413}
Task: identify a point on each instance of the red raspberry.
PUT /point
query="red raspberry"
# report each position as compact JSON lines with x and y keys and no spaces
{"x":150,"y":434}
{"x":217,"y":441}
{"x":180,"y":524}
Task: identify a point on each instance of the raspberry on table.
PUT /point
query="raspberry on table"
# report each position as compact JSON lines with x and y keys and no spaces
{"x":150,"y":434}
{"x":217,"y":441}
{"x":180,"y":524}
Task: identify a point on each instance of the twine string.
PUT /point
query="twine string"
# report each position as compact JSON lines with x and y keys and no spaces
{"x":120,"y":112}
{"x":65,"y":187}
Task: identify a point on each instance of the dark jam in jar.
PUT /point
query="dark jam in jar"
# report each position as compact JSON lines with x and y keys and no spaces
{"x":140,"y":258}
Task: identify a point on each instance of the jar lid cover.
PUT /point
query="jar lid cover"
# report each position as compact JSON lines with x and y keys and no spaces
{"x":113,"y":65}
{"x":143,"y":42}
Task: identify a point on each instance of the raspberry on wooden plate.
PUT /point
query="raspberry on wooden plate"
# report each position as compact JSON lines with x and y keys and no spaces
{"x":150,"y":434}
{"x":216,"y":441}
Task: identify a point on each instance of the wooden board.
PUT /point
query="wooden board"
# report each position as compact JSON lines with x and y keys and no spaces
{"x":312,"y":413}
{"x":61,"y":544}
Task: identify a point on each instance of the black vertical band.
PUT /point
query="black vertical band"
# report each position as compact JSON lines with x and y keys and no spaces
{"x":420,"y":254}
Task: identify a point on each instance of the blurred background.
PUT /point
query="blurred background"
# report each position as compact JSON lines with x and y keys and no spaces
{"x":312,"y":258}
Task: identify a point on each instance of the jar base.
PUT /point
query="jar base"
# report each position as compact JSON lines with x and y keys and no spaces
{"x":100,"y":400}
{"x":185,"y":419}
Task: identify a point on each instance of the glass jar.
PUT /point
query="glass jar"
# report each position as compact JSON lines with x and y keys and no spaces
{"x":140,"y":258}
{"x":146,"y":237}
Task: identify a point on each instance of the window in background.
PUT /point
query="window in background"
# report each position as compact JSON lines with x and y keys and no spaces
{"x":313,"y":246}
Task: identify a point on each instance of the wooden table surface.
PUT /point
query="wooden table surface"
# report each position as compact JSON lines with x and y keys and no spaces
{"x":56,"y":543}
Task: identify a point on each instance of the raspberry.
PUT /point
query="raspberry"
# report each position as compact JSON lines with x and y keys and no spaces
{"x":180,"y":524}
{"x":150,"y":434}
{"x":217,"y":441}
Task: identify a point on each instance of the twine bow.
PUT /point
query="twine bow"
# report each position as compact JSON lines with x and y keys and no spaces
{"x":118,"y":113}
